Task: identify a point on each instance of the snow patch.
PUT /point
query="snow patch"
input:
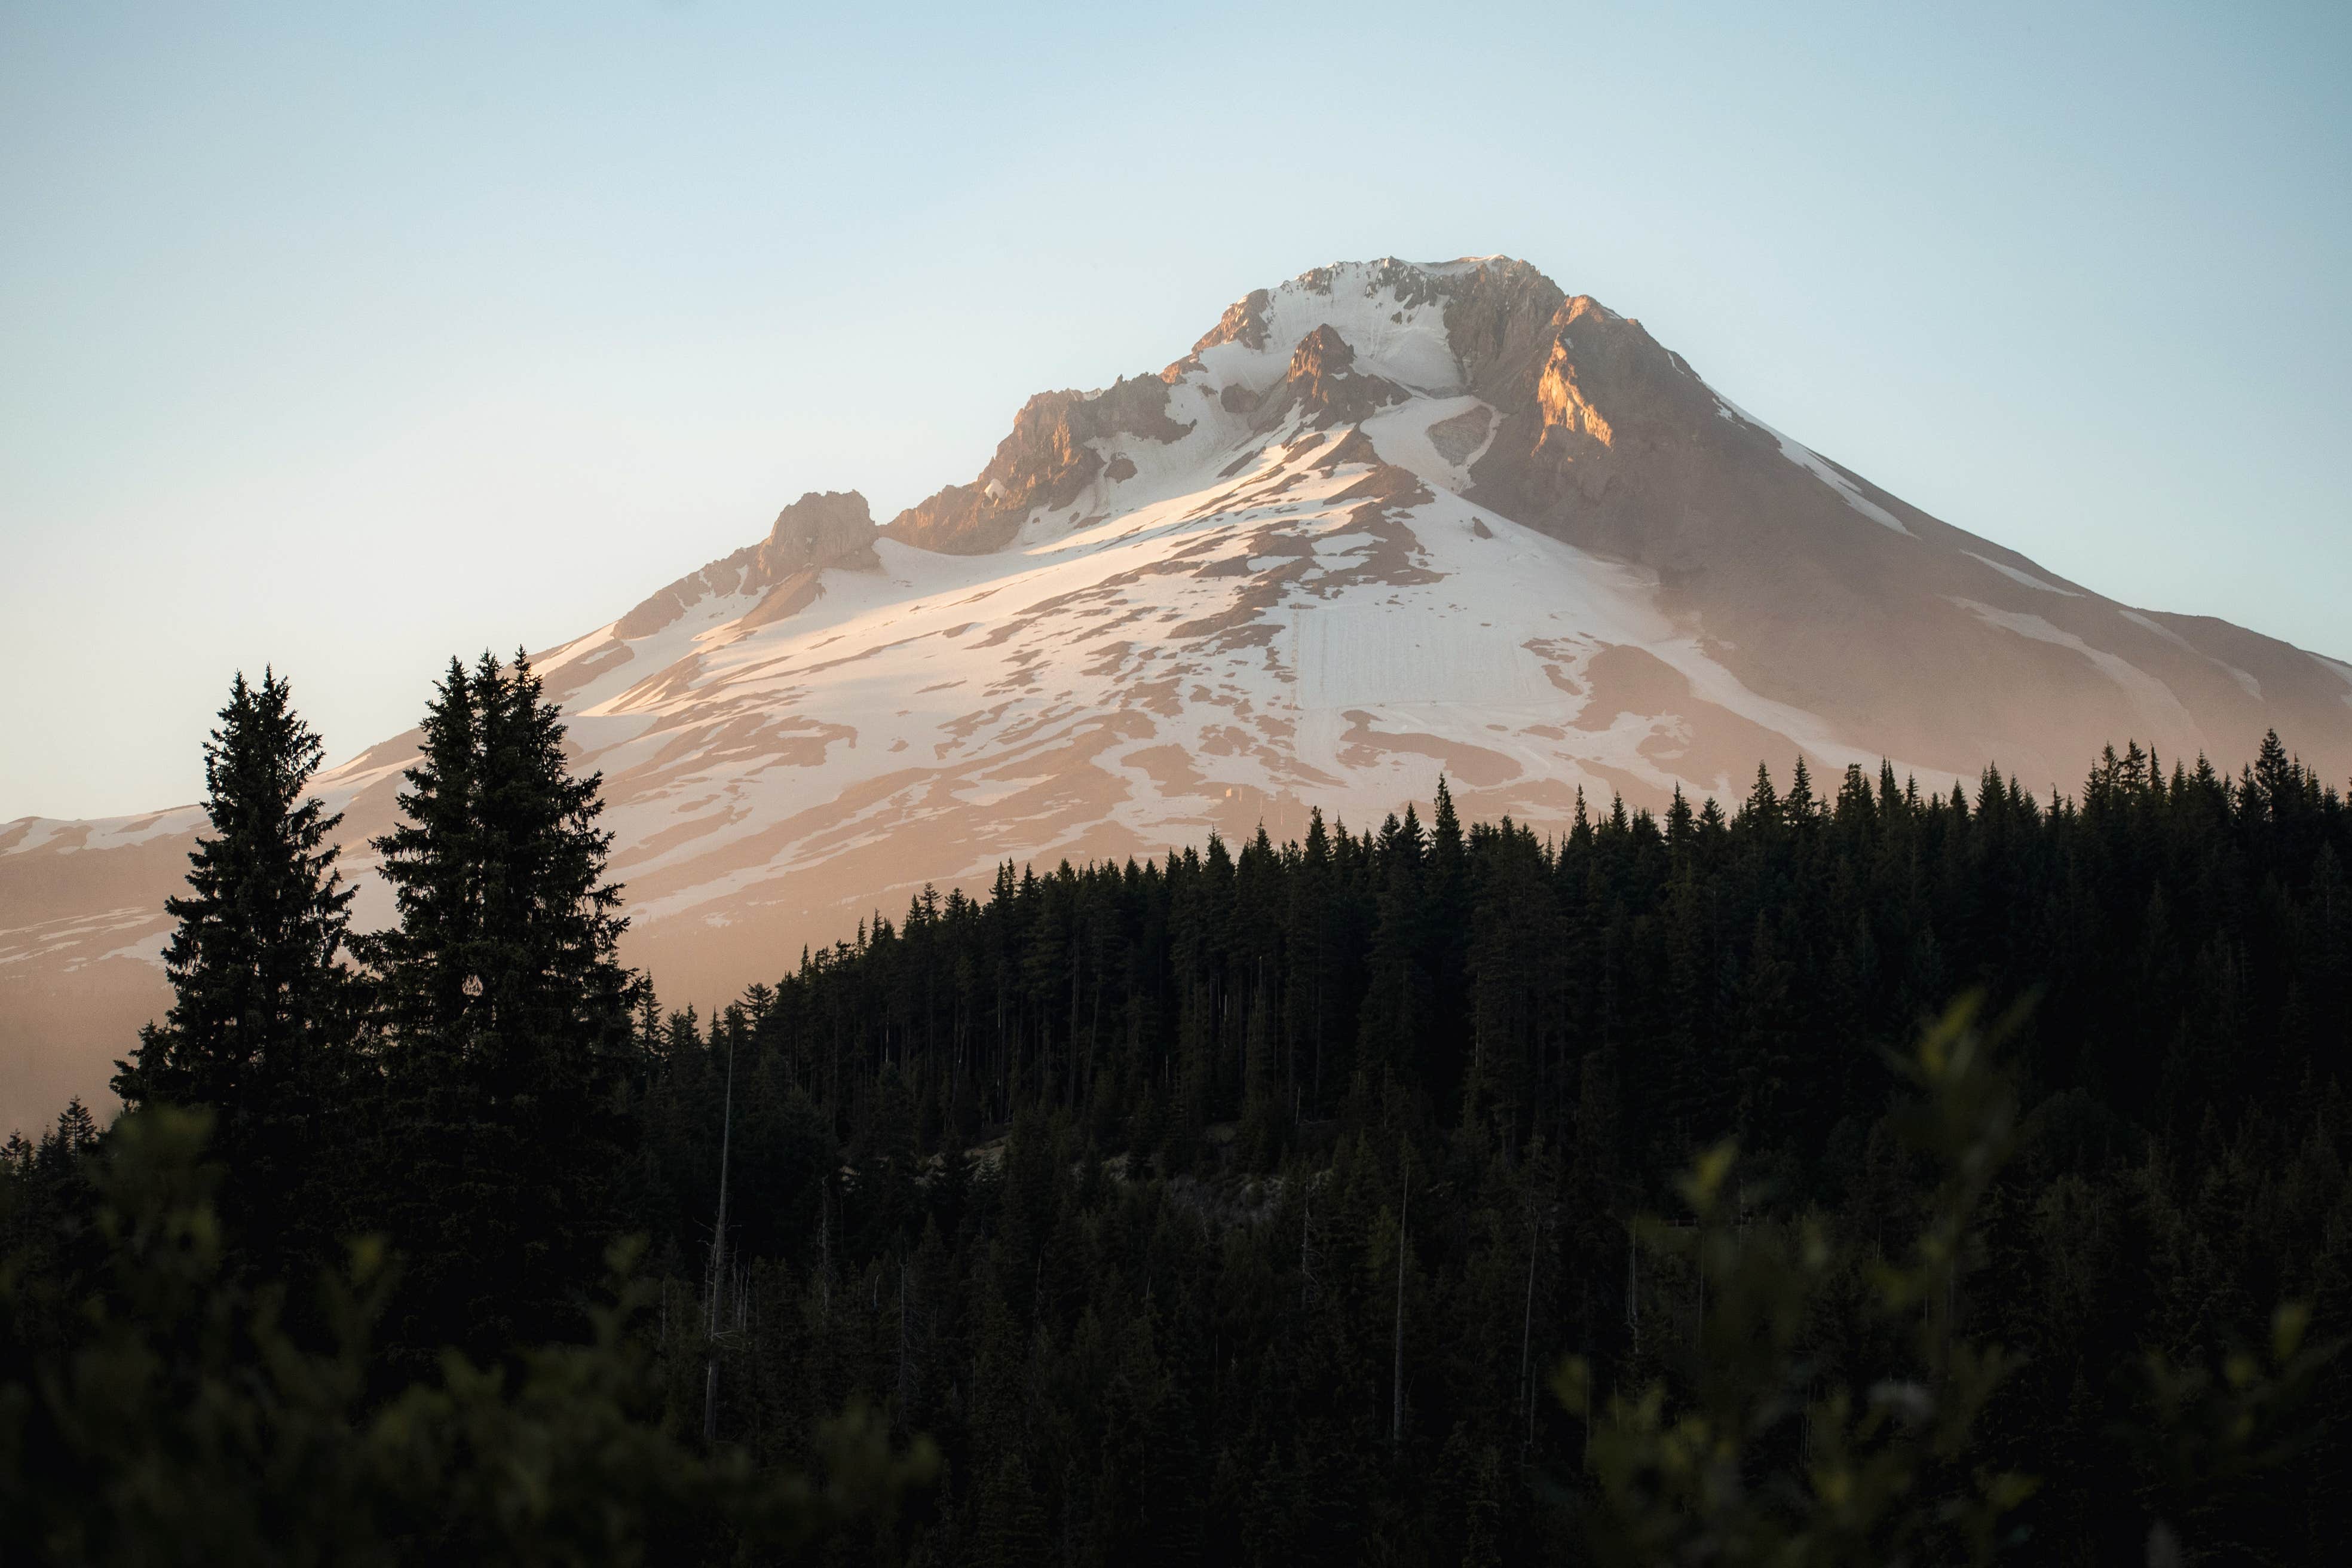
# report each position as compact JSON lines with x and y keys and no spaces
{"x":1820,"y":467}
{"x":38,"y":831}
{"x":2167,"y":633}
{"x":2152,"y":697}
{"x":63,"y":936}
{"x":124,"y":832}
{"x":2244,"y":679}
{"x":1365,"y":655}
{"x":2340,"y":667}
{"x":1404,"y":343}
{"x":1400,"y":436}
{"x":2027,"y":578}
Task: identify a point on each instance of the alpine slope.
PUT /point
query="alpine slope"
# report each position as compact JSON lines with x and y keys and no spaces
{"x":1384,"y":522}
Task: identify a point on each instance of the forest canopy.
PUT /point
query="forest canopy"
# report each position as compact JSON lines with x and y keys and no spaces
{"x":1854,"y":1170}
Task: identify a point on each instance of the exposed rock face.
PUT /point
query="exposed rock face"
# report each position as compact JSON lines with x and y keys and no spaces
{"x":1243,"y":322}
{"x":1793,"y":565}
{"x":1497,"y":322}
{"x":1460,"y":438}
{"x":1383,"y":519}
{"x":1045,"y":465}
{"x":1323,"y":385}
{"x":1586,"y":398}
{"x":823,"y":529}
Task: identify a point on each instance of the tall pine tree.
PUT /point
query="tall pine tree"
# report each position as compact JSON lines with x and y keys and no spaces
{"x":507,"y":1019}
{"x":261,"y":1025}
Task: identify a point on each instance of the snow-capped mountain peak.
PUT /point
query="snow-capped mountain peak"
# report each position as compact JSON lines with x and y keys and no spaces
{"x":1381,"y":520}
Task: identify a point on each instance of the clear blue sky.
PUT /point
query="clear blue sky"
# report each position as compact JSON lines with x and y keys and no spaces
{"x":348,"y":337}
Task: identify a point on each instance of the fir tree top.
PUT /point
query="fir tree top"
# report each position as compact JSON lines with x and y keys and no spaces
{"x":253,"y":962}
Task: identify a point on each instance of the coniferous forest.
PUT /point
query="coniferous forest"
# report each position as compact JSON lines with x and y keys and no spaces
{"x":1847,"y":1174}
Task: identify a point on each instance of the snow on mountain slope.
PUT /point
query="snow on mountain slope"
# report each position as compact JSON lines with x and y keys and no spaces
{"x":1382,"y":521}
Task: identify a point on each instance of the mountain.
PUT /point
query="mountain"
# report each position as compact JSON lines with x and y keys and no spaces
{"x":1384,"y":520}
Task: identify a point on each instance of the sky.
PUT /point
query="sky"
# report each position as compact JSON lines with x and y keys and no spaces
{"x":343,"y":339}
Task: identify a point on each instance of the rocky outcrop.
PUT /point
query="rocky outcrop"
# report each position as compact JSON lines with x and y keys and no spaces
{"x":1588,"y":398}
{"x":1047,"y":462}
{"x":1323,"y":385}
{"x":823,"y":530}
{"x":1498,"y":320}
{"x":1406,"y":285}
{"x":1243,"y":322}
{"x":1459,"y":439}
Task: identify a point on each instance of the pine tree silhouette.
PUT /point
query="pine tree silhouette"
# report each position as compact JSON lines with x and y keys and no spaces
{"x":508,"y":1019}
{"x":261,"y":1025}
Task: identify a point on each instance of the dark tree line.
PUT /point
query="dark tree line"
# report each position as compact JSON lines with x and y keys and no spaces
{"x":1241,"y":1206}
{"x":1101,"y":1179}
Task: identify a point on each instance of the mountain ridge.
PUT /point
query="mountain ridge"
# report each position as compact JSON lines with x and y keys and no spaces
{"x":1382,"y":518}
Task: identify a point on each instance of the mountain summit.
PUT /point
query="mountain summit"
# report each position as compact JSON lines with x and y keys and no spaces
{"x":1384,"y":520}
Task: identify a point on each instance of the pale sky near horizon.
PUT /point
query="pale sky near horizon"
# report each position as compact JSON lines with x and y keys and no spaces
{"x":348,"y":338}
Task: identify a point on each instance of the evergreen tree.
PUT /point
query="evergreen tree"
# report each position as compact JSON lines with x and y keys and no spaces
{"x":261,"y":1025}
{"x":509,"y":1018}
{"x":421,"y":968}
